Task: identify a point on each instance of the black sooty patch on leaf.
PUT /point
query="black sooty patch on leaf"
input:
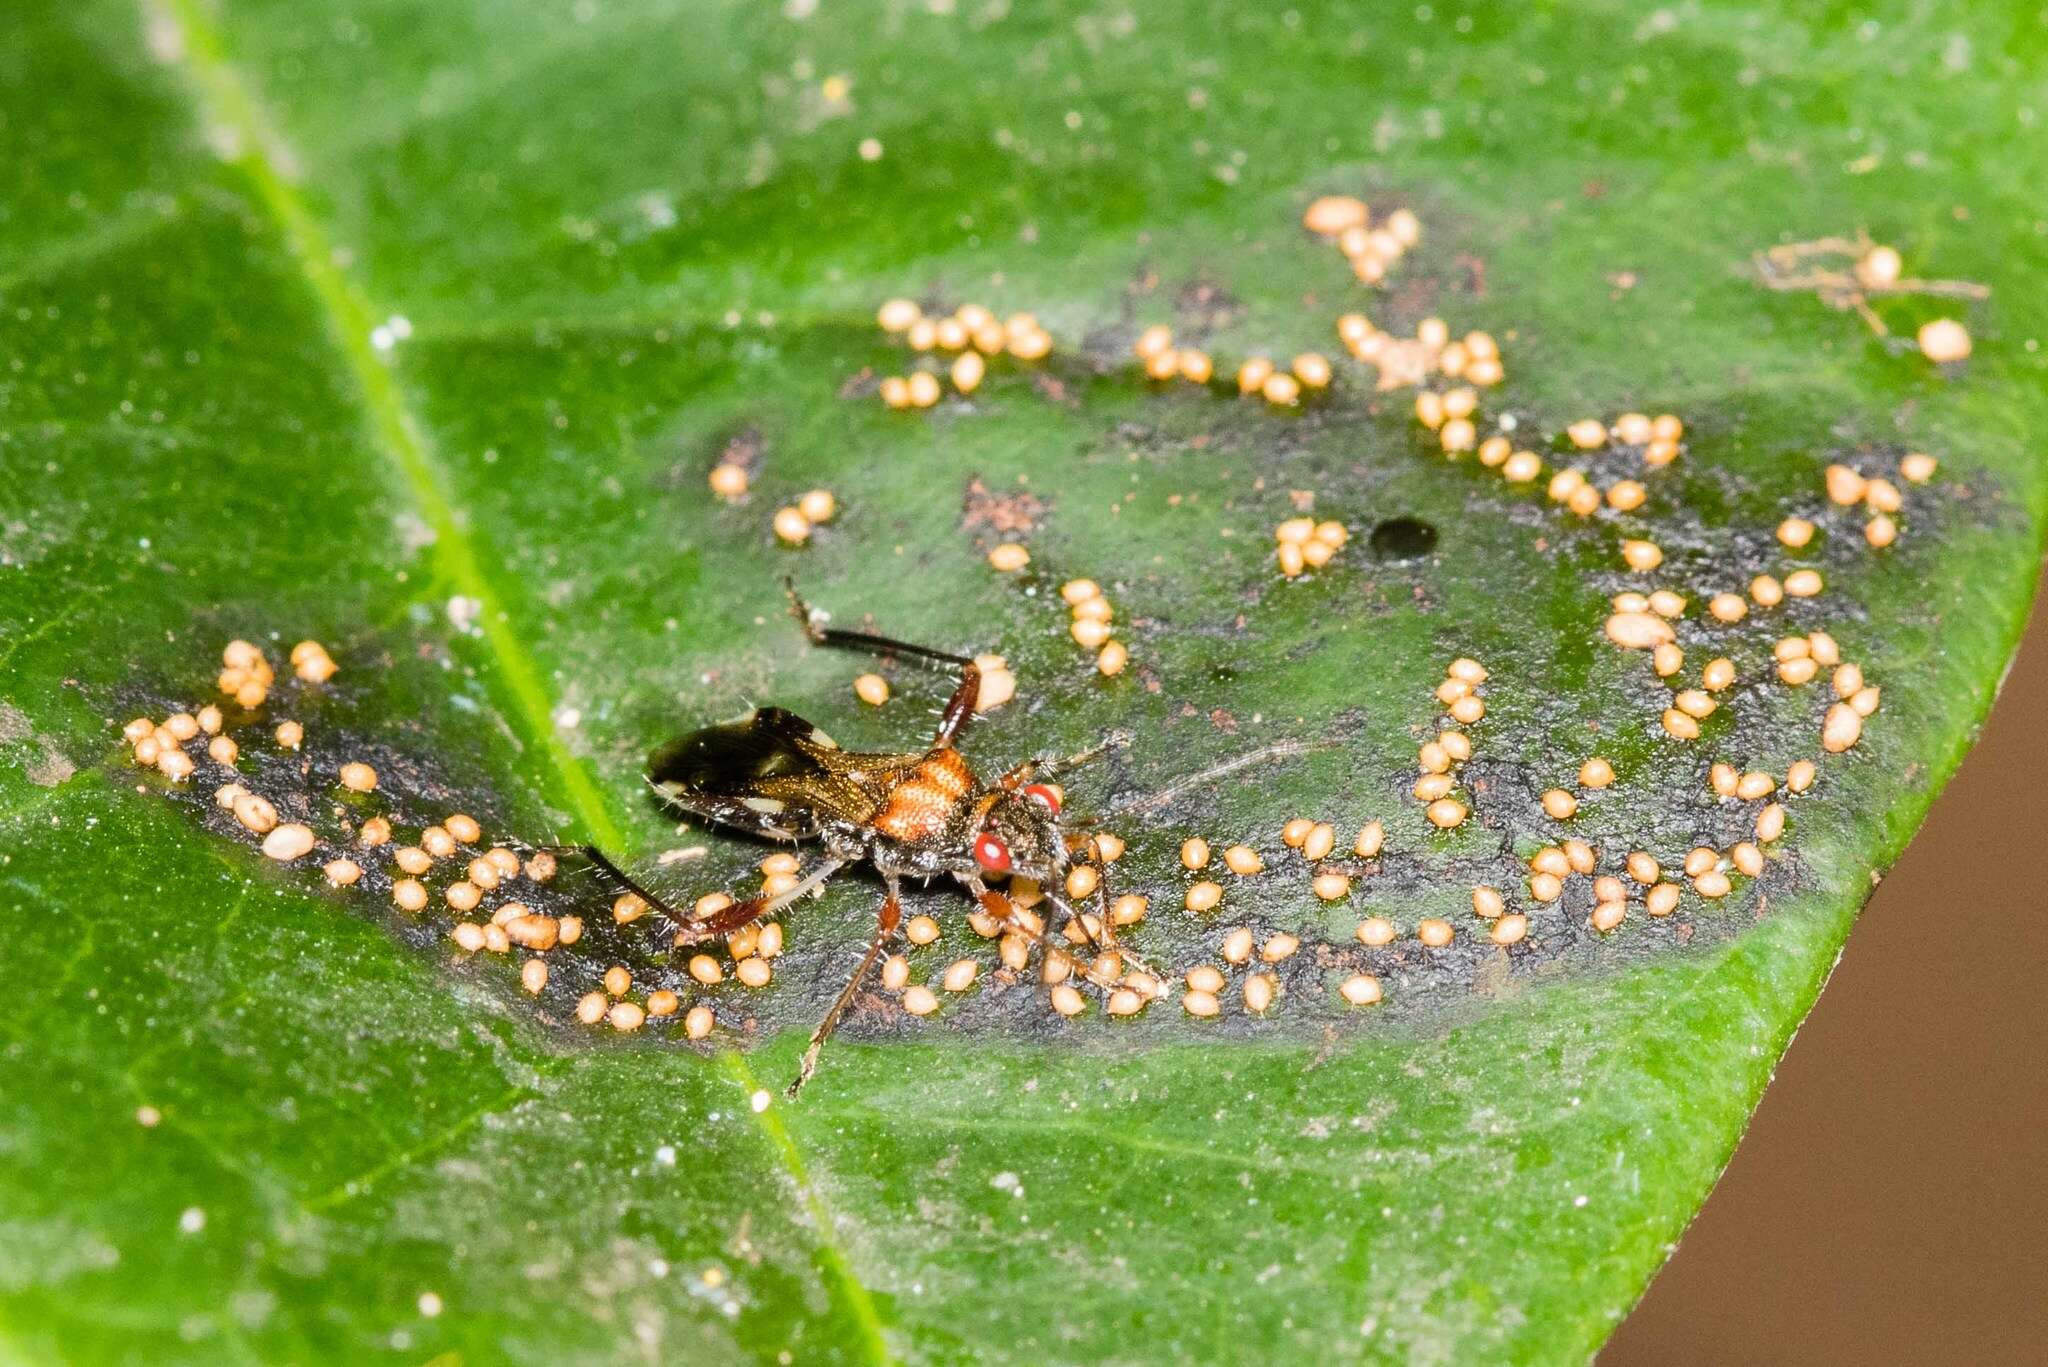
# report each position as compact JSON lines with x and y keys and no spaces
{"x":1403,"y":538}
{"x":1559,"y":694}
{"x":568,"y":921}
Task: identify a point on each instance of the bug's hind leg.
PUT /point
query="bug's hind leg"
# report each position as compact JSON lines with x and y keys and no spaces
{"x":602,"y":862}
{"x":687,"y":927}
{"x":862,"y":640}
{"x":959,"y":708}
{"x":886,"y":922}
{"x":697,"y":929}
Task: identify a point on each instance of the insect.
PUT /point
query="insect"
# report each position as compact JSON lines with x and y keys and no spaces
{"x":919,"y":814}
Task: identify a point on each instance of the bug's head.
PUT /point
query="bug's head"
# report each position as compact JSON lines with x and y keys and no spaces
{"x":1021,"y":835}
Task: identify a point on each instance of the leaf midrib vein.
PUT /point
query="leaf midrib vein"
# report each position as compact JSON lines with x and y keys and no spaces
{"x":224,"y":99}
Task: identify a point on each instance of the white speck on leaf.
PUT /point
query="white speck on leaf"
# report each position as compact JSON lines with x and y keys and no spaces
{"x":463,"y":613}
{"x":658,"y":209}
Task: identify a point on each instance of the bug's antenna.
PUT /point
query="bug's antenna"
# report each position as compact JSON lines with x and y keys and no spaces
{"x":1278,"y":750}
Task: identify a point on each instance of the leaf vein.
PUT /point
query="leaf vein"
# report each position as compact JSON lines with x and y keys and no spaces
{"x":350,"y":1188}
{"x":225,"y":101}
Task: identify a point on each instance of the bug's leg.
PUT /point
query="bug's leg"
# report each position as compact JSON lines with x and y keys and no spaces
{"x":696,"y":930}
{"x":998,"y":906}
{"x":1053,"y":768}
{"x":958,"y":708}
{"x":1102,"y":901}
{"x":602,"y":862}
{"x":1103,"y":940}
{"x":886,"y":921}
{"x":1823,"y":246}
{"x":686,"y":925}
{"x":1101,"y":936}
{"x":1869,"y":316}
{"x":863,"y":640}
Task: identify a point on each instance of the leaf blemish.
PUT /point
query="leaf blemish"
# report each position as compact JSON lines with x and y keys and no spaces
{"x":46,"y":765}
{"x":342,"y":783}
{"x":1570,"y":899}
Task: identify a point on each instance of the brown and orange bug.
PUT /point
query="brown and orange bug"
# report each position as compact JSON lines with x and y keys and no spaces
{"x":922,"y":814}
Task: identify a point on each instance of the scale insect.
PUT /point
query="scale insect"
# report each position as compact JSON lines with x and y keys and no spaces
{"x":919,"y":814}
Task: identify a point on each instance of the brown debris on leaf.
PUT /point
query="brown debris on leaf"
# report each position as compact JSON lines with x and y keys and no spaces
{"x":982,"y":510}
{"x":737,"y":458}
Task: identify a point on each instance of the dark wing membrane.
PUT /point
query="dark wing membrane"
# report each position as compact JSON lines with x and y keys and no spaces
{"x":732,"y":759}
{"x":771,"y":771}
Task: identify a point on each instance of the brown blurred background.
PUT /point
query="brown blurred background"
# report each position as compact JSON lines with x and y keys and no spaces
{"x":1890,"y":1202}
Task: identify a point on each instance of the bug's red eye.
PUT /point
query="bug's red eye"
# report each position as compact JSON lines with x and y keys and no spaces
{"x":991,"y":853}
{"x":1045,"y":793}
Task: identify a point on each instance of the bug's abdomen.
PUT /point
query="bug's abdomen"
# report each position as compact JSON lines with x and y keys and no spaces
{"x":920,"y":807}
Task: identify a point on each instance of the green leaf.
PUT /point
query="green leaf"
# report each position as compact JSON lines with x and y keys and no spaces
{"x":624,"y":233}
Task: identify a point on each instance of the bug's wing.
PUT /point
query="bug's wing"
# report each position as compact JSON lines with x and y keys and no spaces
{"x":733,"y":757}
{"x":771,"y":771}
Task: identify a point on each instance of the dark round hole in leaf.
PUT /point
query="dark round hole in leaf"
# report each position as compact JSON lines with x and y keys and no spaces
{"x":1403,"y":538}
